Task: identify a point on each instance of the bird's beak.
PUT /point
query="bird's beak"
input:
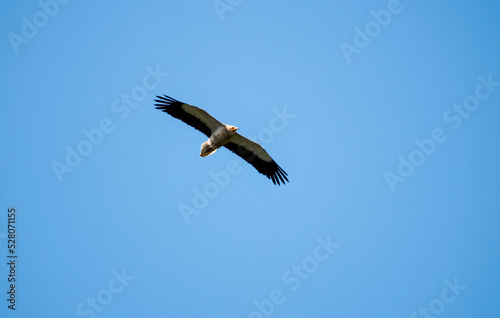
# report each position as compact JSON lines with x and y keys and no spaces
{"x":234,"y":128}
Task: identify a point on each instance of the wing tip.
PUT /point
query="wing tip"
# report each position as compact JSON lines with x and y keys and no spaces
{"x":164,"y":101}
{"x":278,"y":174}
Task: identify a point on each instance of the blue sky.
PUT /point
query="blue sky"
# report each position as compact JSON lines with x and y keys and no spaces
{"x":384,"y":114}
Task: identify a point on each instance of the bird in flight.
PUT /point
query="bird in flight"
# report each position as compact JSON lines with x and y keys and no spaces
{"x":220,"y":134}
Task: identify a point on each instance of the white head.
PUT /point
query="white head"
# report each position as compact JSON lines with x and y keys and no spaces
{"x":232,"y":129}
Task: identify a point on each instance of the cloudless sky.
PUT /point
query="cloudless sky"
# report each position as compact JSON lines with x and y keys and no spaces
{"x":384,"y":114}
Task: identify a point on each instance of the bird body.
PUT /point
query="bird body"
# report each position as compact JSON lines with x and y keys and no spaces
{"x":219,"y":138}
{"x":220,"y":135}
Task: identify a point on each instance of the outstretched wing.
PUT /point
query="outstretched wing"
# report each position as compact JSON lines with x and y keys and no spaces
{"x":191,"y":115}
{"x":254,"y":154}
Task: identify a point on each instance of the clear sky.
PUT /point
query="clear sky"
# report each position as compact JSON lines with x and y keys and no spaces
{"x":385,"y":115}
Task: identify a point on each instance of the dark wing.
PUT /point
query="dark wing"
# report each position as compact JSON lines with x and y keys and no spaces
{"x":255,"y":155}
{"x":191,"y":115}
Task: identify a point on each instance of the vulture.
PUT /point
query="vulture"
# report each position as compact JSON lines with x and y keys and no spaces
{"x":220,"y":134}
